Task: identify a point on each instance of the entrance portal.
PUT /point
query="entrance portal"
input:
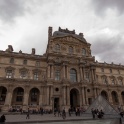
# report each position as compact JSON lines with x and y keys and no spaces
{"x":74,"y":98}
{"x":56,"y":103}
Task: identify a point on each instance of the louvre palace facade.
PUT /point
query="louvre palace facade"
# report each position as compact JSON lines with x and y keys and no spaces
{"x":67,"y":75}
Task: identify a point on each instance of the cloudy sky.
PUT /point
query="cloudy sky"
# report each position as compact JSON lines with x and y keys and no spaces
{"x":24,"y":25}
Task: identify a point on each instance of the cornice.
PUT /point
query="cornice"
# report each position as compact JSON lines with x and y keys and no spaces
{"x":22,"y":55}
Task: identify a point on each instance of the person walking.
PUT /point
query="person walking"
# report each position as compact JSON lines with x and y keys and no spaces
{"x":2,"y":118}
{"x":28,"y":116}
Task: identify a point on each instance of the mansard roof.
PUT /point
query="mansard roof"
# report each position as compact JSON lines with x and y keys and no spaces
{"x":66,"y":32}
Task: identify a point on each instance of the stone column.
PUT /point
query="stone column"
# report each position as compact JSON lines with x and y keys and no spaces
{"x":64,"y":95}
{"x":67,"y":72}
{"x":83,"y":96}
{"x":52,"y":72}
{"x":110,"y":96}
{"x":41,"y":97}
{"x":48,"y":95}
{"x":48,"y":71}
{"x":94,"y":74}
{"x":51,"y":97}
{"x":64,"y":71}
{"x":8,"y":97}
{"x":98,"y":91}
{"x":68,"y":96}
{"x":26,"y":96}
{"x":86,"y":99}
{"x":120,"y":98}
{"x":95,"y":95}
{"x":81,"y":74}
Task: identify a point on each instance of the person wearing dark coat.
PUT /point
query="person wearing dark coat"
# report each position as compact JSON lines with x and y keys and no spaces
{"x":2,"y":118}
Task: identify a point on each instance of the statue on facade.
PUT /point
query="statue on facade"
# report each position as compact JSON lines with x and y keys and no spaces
{"x":66,"y":30}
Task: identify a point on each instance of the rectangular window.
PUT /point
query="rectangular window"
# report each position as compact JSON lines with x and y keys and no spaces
{"x":87,"y":75}
{"x":37,"y":64}
{"x":23,"y":75}
{"x":57,"y":75}
{"x":19,"y":98}
{"x":9,"y":74}
{"x":36,"y":76}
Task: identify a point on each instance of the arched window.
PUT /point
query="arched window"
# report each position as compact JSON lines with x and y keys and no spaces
{"x":57,"y":75}
{"x":73,"y":75}
{"x":114,"y":97}
{"x":104,"y":94}
{"x":36,"y":76}
{"x":57,"y":47}
{"x":83,"y":52}
{"x":34,"y":94}
{"x":37,"y":64}
{"x":102,"y":69}
{"x":104,"y":79}
{"x":70,"y":50}
{"x":110,"y":70}
{"x":11,"y":60}
{"x":9,"y":74}
{"x":113,"y":81}
{"x":87,"y":75}
{"x":25,"y":62}
{"x":120,"y":81}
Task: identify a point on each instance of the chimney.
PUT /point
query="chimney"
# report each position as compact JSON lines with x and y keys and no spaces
{"x":33,"y":51}
{"x":81,"y":34}
{"x":49,"y":33}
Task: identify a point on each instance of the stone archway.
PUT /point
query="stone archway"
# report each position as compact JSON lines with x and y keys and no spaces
{"x":34,"y":97}
{"x":17,"y":97}
{"x":3,"y":92}
{"x":74,"y":98}
{"x":114,"y":98}
{"x":104,"y":94}
{"x":122,"y":96}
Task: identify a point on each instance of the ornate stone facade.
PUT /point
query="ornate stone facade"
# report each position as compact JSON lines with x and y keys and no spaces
{"x":67,"y":75}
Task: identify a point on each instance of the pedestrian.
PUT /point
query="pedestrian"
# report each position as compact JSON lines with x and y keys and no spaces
{"x":59,"y":113}
{"x":28,"y":116}
{"x":55,"y":110}
{"x":2,"y":118}
{"x":69,"y":111}
{"x":93,"y":113}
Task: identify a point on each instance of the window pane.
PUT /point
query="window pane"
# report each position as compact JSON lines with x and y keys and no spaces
{"x":83,"y":52}
{"x":57,"y":75}
{"x":73,"y":75}
{"x":70,"y":50}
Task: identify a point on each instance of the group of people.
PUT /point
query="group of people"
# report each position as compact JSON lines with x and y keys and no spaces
{"x":63,"y":113}
{"x":97,"y":113}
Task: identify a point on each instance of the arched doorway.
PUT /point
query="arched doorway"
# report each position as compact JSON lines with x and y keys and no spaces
{"x":3,"y":92}
{"x":74,"y":98}
{"x":34,"y":97}
{"x":17,"y":98}
{"x":114,"y":98}
{"x":104,"y":94}
{"x":122,"y":96}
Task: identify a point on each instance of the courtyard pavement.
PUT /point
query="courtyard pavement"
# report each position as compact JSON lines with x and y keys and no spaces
{"x":37,"y":118}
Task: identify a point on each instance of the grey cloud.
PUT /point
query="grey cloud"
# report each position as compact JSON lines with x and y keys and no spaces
{"x":102,"y":5}
{"x":109,"y":49}
{"x":9,"y":9}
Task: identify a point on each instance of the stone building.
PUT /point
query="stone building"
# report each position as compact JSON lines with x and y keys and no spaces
{"x":67,"y":75}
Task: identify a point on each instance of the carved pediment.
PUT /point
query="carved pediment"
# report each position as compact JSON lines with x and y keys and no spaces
{"x":69,"y":39}
{"x":9,"y":68}
{"x":36,"y":70}
{"x":23,"y":69}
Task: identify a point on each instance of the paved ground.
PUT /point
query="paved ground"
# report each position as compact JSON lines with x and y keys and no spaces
{"x":41,"y":118}
{"x":49,"y":118}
